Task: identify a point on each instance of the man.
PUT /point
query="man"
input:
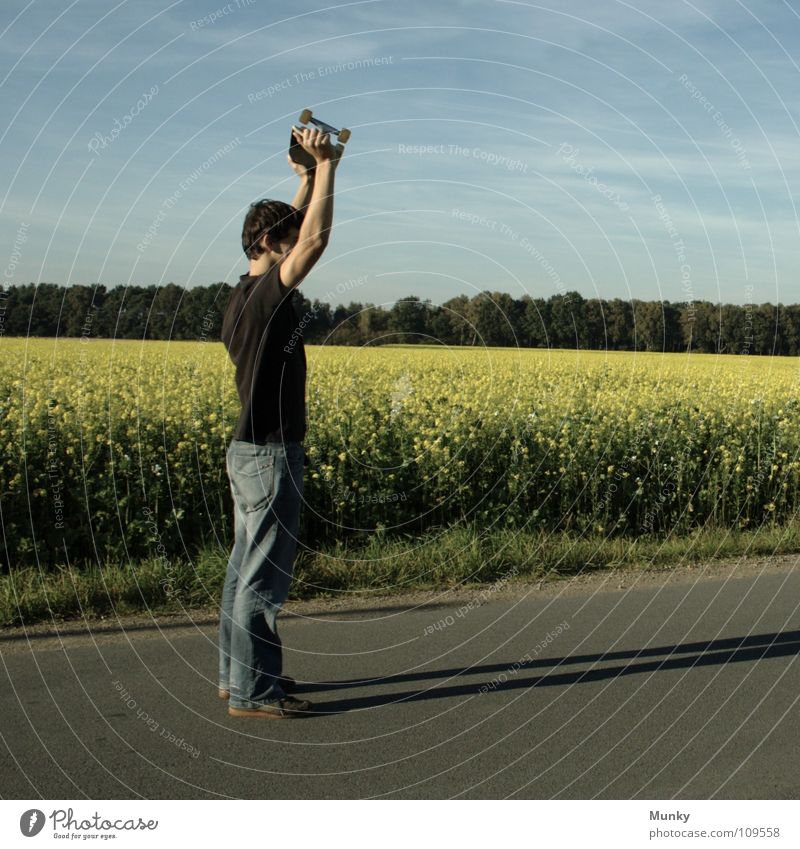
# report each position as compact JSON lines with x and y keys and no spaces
{"x":262,"y":334}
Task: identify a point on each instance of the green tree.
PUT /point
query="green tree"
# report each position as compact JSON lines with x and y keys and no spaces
{"x":373,"y":324}
{"x":790,"y":322}
{"x":594,"y":338}
{"x":451,"y":323}
{"x":45,"y":312}
{"x":489,"y":321}
{"x":106,"y":325}
{"x":567,"y":320}
{"x":619,"y":325}
{"x":320,"y":322}
{"x":649,"y":325}
{"x":134,"y":312}
{"x":535,"y":322}
{"x":765,"y":327}
{"x":731,"y":333}
{"x":701,"y":327}
{"x":163,"y":320}
{"x":408,"y":320}
{"x":81,"y":310}
{"x":672,"y":327}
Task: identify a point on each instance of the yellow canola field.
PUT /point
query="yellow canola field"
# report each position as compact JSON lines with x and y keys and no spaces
{"x":117,"y":448}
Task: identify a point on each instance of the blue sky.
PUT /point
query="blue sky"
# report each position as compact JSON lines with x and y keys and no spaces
{"x":641,"y":149}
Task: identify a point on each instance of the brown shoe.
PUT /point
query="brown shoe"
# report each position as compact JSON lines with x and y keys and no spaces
{"x":287,"y":708}
{"x":289,"y":686}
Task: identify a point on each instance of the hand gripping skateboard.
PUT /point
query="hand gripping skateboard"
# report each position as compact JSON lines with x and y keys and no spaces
{"x":296,"y":151}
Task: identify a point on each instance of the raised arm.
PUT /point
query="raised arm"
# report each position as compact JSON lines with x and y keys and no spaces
{"x":306,"y":175}
{"x":315,"y":230}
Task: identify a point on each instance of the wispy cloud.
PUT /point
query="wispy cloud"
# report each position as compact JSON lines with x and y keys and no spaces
{"x":695,"y":101}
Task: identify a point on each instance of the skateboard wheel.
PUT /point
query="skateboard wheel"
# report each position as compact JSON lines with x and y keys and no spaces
{"x":344,"y":135}
{"x":305,"y":116}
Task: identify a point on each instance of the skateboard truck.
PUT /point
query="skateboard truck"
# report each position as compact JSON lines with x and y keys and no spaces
{"x":296,"y":151}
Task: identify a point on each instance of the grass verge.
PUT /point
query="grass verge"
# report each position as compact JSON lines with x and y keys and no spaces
{"x":451,"y":557}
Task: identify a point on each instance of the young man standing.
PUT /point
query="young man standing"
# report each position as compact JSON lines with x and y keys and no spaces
{"x":261,"y":332}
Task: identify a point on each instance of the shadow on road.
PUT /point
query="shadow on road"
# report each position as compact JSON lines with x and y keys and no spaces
{"x":685,"y":656}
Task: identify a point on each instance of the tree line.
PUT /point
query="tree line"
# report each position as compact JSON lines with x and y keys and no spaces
{"x":564,"y":320}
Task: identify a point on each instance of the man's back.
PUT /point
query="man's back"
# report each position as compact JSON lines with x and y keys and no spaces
{"x":261,"y":332}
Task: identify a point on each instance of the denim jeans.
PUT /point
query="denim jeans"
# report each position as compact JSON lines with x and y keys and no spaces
{"x":267,"y":488}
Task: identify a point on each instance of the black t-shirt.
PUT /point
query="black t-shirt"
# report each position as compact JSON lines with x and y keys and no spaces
{"x":261,"y":330}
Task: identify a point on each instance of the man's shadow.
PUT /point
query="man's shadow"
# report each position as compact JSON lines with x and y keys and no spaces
{"x":685,"y":656}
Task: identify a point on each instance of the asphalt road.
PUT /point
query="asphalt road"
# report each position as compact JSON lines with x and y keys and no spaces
{"x":677,"y":686}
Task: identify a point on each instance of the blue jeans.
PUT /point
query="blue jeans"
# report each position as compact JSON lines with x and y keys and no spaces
{"x":267,"y":488}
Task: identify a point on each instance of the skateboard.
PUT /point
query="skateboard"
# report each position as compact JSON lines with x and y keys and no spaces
{"x":297,"y":153}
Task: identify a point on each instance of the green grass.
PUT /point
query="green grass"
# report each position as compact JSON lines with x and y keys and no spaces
{"x":452,"y":557}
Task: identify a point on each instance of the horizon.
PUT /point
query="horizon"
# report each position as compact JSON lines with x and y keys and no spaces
{"x":390,"y":304}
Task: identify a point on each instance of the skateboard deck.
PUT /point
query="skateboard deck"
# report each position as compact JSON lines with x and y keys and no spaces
{"x":301,"y":156}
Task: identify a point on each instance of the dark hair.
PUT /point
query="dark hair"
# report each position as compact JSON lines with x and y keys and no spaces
{"x":272,"y":218}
